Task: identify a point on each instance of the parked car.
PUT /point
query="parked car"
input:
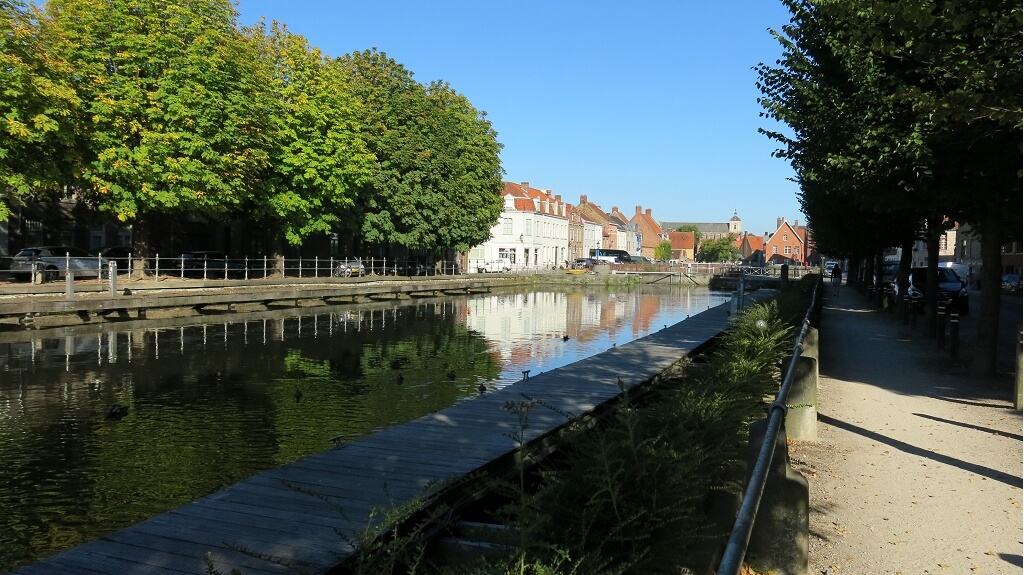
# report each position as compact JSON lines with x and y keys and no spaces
{"x":952,"y":290}
{"x":583,"y":263}
{"x":1011,"y":282}
{"x":211,"y":264}
{"x":121,"y":255}
{"x":495,"y":266}
{"x":55,"y":261}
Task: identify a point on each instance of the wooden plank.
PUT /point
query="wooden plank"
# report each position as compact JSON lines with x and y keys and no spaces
{"x":135,"y":540}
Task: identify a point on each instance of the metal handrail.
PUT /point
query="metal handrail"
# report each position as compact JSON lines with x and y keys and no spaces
{"x":739,"y":538}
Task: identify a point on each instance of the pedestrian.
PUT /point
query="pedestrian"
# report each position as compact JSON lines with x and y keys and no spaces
{"x":837,"y":279}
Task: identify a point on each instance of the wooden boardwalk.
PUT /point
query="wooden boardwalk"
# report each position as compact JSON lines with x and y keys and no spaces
{"x":294,"y":513}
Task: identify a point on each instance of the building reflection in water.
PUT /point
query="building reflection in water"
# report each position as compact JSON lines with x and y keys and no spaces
{"x":213,"y":400}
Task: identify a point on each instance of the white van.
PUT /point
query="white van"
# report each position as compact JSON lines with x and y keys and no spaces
{"x":495,"y":266}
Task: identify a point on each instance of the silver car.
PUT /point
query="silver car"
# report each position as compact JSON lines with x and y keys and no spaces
{"x":55,"y":261}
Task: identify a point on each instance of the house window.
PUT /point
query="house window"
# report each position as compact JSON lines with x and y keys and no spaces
{"x":796,"y":250}
{"x":507,"y":226}
{"x":775,"y":250}
{"x":789,"y":250}
{"x":529,"y":228}
{"x":785,"y":237}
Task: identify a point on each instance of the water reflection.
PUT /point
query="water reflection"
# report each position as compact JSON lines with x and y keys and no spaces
{"x":209,"y":404}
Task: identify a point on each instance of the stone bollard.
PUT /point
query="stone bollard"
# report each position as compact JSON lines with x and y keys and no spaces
{"x":112,"y":278}
{"x":779,"y":539}
{"x":954,"y":334}
{"x":802,"y":403}
{"x":69,"y":284}
{"x":1018,"y":396}
{"x":940,"y":326}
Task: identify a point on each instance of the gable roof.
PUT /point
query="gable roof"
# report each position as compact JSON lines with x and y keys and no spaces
{"x":681,"y":240}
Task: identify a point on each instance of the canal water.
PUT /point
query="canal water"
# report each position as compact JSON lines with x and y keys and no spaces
{"x":102,"y":430}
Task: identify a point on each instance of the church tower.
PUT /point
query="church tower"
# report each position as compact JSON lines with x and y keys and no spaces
{"x":735,"y":224}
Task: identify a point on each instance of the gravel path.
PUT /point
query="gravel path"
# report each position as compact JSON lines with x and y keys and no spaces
{"x":918,"y":468}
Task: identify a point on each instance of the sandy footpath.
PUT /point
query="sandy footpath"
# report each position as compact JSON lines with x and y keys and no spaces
{"x":918,"y":468}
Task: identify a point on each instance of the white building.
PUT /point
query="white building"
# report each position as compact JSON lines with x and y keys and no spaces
{"x":532,"y":231}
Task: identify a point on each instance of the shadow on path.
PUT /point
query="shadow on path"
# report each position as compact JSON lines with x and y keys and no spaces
{"x":914,"y":450}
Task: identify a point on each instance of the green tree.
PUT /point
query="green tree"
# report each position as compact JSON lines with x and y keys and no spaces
{"x":718,"y":250}
{"x":318,"y":159}
{"x":38,"y":150}
{"x":663,"y":251}
{"x":177,"y":118}
{"x":438,"y":175}
{"x":906,"y":117}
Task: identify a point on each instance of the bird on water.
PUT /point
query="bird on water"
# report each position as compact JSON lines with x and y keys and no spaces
{"x":117,"y":412}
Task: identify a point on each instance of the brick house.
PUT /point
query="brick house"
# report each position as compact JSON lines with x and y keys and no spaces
{"x":788,"y":245}
{"x":751,"y":249}
{"x":683,"y":245}
{"x":649,"y":231}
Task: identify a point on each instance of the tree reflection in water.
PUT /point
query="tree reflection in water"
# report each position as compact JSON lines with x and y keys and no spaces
{"x":219,"y":399}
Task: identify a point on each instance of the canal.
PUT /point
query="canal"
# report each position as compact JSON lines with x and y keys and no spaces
{"x":99,"y":431}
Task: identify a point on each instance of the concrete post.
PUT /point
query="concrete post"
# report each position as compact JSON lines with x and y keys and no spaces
{"x":112,"y":278}
{"x":69,"y":284}
{"x":1018,"y":397}
{"x":784,"y":277}
{"x":779,"y":540}
{"x":802,"y":403}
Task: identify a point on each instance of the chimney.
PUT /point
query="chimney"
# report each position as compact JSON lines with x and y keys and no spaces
{"x":639,"y":210}
{"x":558,"y":198}
{"x":796,"y":223}
{"x":779,"y":222}
{"x":525,"y":185}
{"x":583,"y":200}
{"x":648,"y":211}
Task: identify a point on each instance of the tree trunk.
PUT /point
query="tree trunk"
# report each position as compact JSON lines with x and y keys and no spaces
{"x":903,"y":277}
{"x":141,"y":248}
{"x":931,"y":283}
{"x":986,"y":341}
{"x":878,"y":279}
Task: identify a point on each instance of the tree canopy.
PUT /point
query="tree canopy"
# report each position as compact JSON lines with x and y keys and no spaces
{"x":718,"y":250}
{"x":143,"y":109}
{"x":905,"y":117}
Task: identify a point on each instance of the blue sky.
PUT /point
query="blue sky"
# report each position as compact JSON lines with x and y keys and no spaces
{"x":648,"y":103}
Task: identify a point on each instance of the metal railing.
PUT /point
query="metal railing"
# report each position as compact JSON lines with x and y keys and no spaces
{"x":739,"y":538}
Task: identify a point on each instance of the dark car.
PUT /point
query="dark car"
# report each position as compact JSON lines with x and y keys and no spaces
{"x":952,"y":290}
{"x":1011,"y":282}
{"x":211,"y":264}
{"x":55,"y":261}
{"x":121,"y":255}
